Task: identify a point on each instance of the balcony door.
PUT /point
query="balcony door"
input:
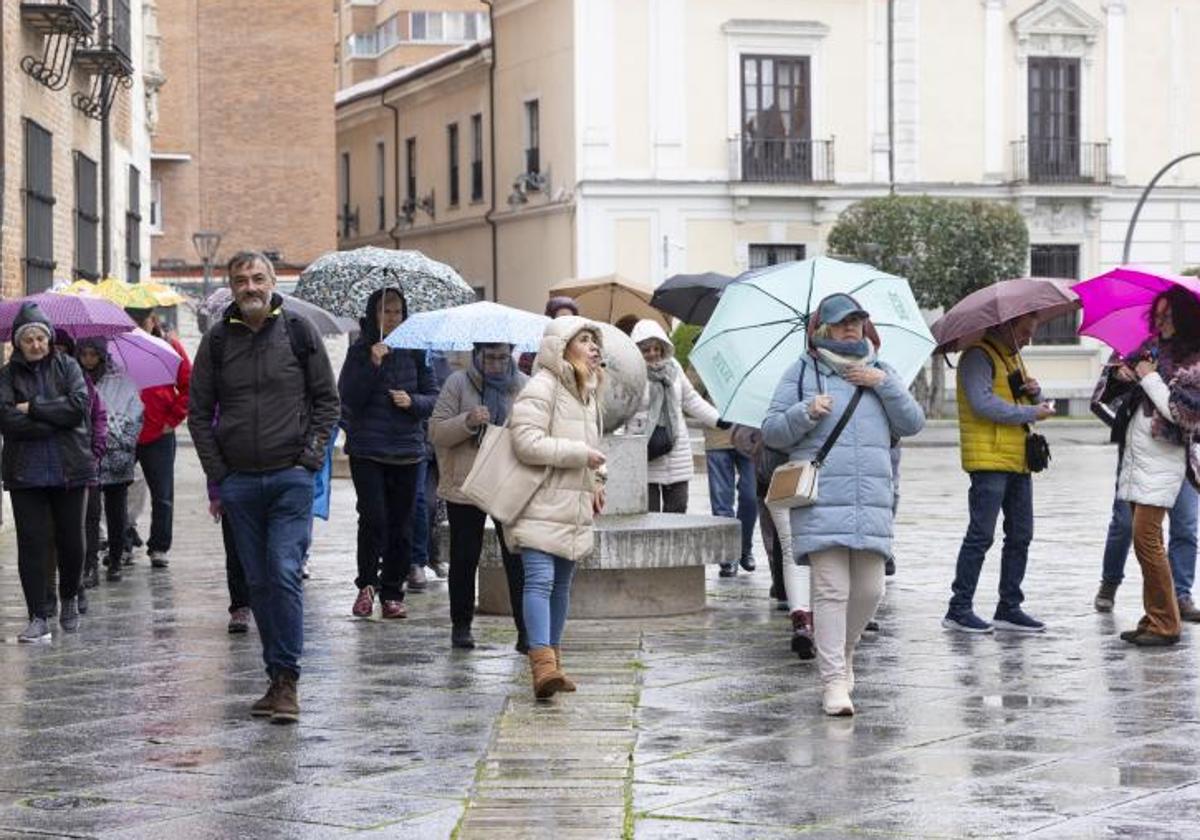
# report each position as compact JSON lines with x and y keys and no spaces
{"x":1054,"y":119}
{"x":776,"y":118}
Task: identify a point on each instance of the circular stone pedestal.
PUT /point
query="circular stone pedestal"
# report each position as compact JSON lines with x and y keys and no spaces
{"x":644,"y":565}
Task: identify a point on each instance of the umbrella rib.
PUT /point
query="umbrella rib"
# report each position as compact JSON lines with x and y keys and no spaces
{"x":904,"y":329}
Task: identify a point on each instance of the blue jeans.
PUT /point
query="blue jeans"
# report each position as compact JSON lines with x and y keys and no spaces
{"x":547,"y":596}
{"x":991,"y":493}
{"x":269,"y":514}
{"x":1181,"y":551}
{"x":722,"y":464}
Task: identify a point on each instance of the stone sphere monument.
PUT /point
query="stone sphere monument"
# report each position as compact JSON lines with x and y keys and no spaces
{"x":624,"y":378}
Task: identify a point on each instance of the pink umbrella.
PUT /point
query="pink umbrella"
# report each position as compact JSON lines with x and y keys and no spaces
{"x":1116,"y":305}
{"x":147,"y":360}
{"x":991,"y":306}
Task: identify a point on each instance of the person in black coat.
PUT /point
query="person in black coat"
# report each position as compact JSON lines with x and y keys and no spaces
{"x":386,"y":397}
{"x":46,"y":465}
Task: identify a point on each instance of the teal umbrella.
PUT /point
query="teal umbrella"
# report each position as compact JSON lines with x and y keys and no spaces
{"x":759,"y":329}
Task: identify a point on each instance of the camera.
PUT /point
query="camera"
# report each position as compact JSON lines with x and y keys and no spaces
{"x":1016,"y":381}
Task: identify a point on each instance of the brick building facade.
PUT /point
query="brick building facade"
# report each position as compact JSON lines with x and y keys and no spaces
{"x":55,"y":221}
{"x":245,"y":141}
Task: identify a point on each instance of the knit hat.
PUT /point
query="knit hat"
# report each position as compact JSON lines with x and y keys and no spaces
{"x":31,"y":317}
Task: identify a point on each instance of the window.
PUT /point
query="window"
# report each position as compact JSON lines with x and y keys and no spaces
{"x":120,"y":27}
{"x":1056,"y":261}
{"x":448,"y":27}
{"x":381,"y":182}
{"x":39,"y":208}
{"x":362,"y":45}
{"x":533,"y":163}
{"x":133,"y":228}
{"x":762,"y":256}
{"x":410,"y":164}
{"x":387,"y":35}
{"x":156,"y":219}
{"x":776,"y":118}
{"x":452,"y":156}
{"x":87,"y":219}
{"x":477,"y":157}
{"x":1053,"y":119}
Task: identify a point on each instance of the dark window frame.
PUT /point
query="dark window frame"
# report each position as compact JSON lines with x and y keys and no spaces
{"x":776,"y":140}
{"x":452,"y":158}
{"x":133,"y":227}
{"x":87,"y":219}
{"x":344,"y":189}
{"x":1054,"y":118}
{"x":533,"y":136}
{"x":1062,"y":261}
{"x":381,"y":182}
{"x":39,"y":208}
{"x":410,"y":170}
{"x":476,"y":157}
{"x":763,"y":254}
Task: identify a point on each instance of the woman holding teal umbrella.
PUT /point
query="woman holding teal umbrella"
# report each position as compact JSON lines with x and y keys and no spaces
{"x":846,"y":533}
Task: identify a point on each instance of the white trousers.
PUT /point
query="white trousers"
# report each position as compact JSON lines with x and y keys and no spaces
{"x":847,"y":588}
{"x":796,"y":576}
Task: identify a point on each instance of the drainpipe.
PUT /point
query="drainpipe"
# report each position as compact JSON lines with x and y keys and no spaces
{"x":105,"y":199}
{"x":395,"y":166}
{"x":490,"y":216}
{"x":891,"y":94}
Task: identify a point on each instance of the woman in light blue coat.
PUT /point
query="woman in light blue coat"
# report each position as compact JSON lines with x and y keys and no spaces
{"x":847,"y":533}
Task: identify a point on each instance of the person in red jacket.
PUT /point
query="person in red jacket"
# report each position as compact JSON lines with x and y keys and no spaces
{"x":166,"y":406}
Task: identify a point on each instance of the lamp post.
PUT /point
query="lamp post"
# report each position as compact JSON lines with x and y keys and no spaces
{"x":1137,"y":211}
{"x":206,"y":244}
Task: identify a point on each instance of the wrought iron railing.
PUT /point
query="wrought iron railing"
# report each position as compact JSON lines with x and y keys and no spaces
{"x":783,"y":160}
{"x":1060,"y":162}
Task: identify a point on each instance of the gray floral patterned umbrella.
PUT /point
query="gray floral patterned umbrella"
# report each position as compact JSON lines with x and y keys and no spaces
{"x":341,"y":281}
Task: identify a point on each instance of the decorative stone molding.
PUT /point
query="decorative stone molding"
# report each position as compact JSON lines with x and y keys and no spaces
{"x":1058,"y":28}
{"x":759,"y":28}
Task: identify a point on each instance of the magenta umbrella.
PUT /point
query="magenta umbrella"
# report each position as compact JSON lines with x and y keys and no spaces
{"x":967,"y":321}
{"x":79,"y":317}
{"x":1116,"y":304}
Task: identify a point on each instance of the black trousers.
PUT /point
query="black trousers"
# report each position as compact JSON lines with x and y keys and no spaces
{"x":235,"y":576}
{"x":387,"y":496}
{"x":158,"y":466}
{"x":668,"y":498}
{"x":38,"y":513}
{"x":115,"y":499}
{"x":466,"y":541}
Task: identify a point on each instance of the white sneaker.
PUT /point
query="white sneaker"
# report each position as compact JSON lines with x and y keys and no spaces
{"x":37,"y":631}
{"x":158,"y":559}
{"x":836,"y":699}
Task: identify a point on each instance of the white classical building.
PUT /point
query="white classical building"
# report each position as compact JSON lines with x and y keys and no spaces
{"x":690,"y":135}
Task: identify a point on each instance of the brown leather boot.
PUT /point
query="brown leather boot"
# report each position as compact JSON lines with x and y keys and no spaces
{"x":265,"y":705}
{"x":547,"y":679}
{"x":287,"y":703}
{"x":567,"y":683}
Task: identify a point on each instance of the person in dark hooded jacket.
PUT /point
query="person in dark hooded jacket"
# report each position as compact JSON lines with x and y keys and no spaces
{"x":46,"y":465}
{"x":386,"y":397}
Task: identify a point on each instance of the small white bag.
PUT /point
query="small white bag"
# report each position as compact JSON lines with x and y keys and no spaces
{"x":793,"y":485}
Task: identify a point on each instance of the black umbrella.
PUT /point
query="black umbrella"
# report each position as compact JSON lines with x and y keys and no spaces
{"x":690,"y":297}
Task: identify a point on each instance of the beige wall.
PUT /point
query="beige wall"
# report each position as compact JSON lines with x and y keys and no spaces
{"x":536,"y":251}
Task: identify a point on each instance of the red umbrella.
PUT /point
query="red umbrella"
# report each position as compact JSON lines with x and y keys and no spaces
{"x":79,"y":317}
{"x":991,"y":306}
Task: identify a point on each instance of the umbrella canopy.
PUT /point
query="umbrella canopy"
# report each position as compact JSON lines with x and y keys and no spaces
{"x":462,"y":327}
{"x":1116,"y":305}
{"x":341,"y":281}
{"x":690,"y":297}
{"x":126,"y":295}
{"x":610,"y":298}
{"x":991,"y":306}
{"x":759,"y":329}
{"x":164,"y":294}
{"x":77,"y":315}
{"x":148,"y":360}
{"x":215,"y":304}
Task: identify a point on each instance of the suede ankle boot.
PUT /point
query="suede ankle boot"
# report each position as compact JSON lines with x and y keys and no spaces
{"x":567,"y":684}
{"x":547,"y":679}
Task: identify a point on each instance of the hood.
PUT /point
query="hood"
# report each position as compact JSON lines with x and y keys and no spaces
{"x":369,"y":322}
{"x":645,"y":329}
{"x":555,"y":339}
{"x":814,"y":322}
{"x":31,"y":313}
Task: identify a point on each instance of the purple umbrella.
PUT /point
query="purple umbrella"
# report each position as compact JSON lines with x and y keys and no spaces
{"x":78,"y":316}
{"x":1116,"y":305}
{"x":991,"y":306}
{"x":147,"y":360}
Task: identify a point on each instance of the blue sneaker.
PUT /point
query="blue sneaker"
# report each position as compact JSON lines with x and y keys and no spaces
{"x":1016,"y":621}
{"x":966,"y":622}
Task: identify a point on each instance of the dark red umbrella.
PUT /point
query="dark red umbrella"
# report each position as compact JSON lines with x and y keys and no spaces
{"x":991,"y":306}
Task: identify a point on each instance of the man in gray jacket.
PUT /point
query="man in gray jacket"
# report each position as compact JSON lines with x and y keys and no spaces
{"x":263,"y":403}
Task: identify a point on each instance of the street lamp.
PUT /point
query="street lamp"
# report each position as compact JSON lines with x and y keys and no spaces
{"x":206,"y":244}
{"x":1137,"y":210}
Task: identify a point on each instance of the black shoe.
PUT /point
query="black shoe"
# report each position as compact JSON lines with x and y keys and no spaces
{"x":889,"y":567}
{"x":91,"y":577}
{"x":70,"y":616}
{"x":113,"y":574}
{"x":522,"y":645}
{"x":461,"y":638}
{"x":728,"y":570}
{"x":747,"y":563}
{"x":1148,"y":639}
{"x":1130,"y":635}
{"x":127,"y":558}
{"x":872,"y":626}
{"x":82,"y":601}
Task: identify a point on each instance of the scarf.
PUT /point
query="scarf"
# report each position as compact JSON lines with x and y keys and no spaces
{"x":840,"y":355}
{"x":1182,"y":391}
{"x":663,"y":410}
{"x":496,"y":391}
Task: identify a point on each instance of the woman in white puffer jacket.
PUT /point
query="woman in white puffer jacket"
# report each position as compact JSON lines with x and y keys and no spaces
{"x":1165,"y":419}
{"x":668,"y":401}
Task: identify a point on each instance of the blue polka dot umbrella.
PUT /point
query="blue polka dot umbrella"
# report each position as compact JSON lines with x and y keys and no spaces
{"x":341,"y":281}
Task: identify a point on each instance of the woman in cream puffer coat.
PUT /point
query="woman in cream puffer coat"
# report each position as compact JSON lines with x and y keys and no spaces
{"x":669,"y":474}
{"x":555,"y":422}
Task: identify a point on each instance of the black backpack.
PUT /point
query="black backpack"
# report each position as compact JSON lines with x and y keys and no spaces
{"x":299,"y":337}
